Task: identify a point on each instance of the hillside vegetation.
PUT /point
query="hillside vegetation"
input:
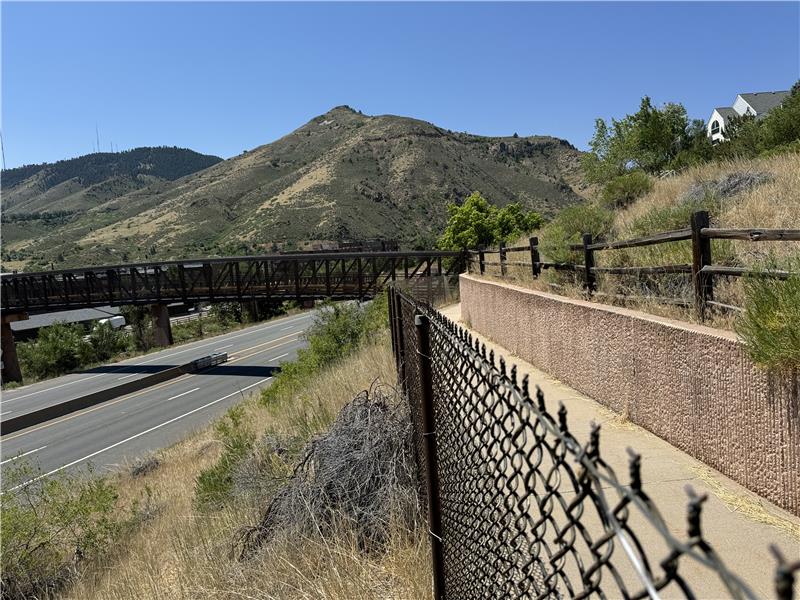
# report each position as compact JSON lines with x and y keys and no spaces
{"x":341,"y":176}
{"x":174,"y":525}
{"x":38,"y":200}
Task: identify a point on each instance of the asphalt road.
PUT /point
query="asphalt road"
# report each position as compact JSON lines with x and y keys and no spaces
{"x":120,"y":430}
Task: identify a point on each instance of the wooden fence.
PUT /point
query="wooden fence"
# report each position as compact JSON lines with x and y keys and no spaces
{"x":702,"y":268}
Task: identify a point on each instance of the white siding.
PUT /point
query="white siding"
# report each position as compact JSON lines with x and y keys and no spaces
{"x":716,"y":137}
{"x":741,"y":106}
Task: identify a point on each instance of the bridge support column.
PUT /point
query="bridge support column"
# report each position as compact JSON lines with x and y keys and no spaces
{"x":8,"y":347}
{"x":162,"y":332}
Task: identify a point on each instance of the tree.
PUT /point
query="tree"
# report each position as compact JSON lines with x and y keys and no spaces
{"x":478,"y":223}
{"x":648,"y":140}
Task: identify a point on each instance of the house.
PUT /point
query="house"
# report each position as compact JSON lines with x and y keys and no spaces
{"x":757,"y":105}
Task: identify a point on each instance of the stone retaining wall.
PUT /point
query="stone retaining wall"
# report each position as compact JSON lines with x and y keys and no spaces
{"x":691,"y":385}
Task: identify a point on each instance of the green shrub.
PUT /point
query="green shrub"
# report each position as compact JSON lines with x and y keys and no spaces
{"x":624,"y":189}
{"x":50,"y":527}
{"x":213,"y":486}
{"x":477,"y":223}
{"x":107,"y":342}
{"x":568,"y":227}
{"x":58,"y":349}
{"x":226,"y":312}
{"x":770,"y":324}
{"x":338,"y":329}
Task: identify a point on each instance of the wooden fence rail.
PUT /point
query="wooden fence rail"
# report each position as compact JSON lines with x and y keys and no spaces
{"x":702,"y":269}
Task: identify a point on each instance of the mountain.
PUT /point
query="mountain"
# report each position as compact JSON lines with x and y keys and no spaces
{"x":38,"y":200}
{"x":341,"y":176}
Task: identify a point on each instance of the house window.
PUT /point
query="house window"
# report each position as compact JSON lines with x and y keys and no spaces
{"x":715,"y":127}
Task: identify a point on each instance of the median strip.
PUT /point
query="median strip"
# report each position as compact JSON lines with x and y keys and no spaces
{"x":48,"y":413}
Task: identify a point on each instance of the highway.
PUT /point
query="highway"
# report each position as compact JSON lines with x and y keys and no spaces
{"x":120,"y":430}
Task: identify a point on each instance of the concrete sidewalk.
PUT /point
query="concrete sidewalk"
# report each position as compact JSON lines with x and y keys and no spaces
{"x":738,"y":524}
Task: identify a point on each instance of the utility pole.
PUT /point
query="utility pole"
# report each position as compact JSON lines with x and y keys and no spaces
{"x":97,"y":134}
{"x":2,"y":150}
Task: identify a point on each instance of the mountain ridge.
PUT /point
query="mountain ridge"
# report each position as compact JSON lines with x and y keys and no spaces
{"x":340,"y":176}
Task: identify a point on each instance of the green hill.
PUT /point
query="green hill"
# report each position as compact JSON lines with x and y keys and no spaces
{"x":341,"y":176}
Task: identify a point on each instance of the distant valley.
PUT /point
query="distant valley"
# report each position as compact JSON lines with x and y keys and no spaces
{"x":342,"y":176}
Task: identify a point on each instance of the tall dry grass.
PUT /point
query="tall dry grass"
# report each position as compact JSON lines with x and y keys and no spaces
{"x":772,"y":204}
{"x":183,"y":553}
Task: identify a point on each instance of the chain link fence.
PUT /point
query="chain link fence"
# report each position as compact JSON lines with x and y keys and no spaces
{"x":517,"y":506}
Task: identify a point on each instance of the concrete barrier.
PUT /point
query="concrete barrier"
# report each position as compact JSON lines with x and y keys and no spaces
{"x":691,"y":385}
{"x":48,"y":413}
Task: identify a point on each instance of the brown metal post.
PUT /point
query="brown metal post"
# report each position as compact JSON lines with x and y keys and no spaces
{"x":536,"y":266}
{"x":482,"y":260}
{"x":589,"y":278}
{"x":503,"y":267}
{"x":328,"y":278}
{"x":360,"y":279}
{"x":401,"y":350}
{"x":296,"y":264}
{"x":422,"y":324}
{"x":392,"y":330}
{"x":701,"y":257}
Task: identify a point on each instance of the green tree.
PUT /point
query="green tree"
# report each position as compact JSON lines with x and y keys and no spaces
{"x":648,"y":140}
{"x":58,"y":349}
{"x":479,"y":223}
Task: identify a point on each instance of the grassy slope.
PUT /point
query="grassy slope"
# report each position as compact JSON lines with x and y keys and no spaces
{"x":774,"y":204}
{"x":341,"y":176}
{"x":183,"y":553}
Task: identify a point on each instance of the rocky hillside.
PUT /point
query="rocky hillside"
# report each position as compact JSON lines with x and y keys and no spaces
{"x":341,"y":176}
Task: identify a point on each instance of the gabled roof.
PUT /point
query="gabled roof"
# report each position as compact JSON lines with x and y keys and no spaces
{"x":726,"y":112}
{"x":763,"y":102}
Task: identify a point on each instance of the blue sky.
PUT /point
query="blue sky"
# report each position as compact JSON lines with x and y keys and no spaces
{"x":222,"y":78}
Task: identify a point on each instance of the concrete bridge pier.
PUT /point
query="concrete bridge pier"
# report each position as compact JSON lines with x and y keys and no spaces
{"x":162,"y":331}
{"x":8,"y":347}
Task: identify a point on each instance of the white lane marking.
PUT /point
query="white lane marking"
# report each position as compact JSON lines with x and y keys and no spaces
{"x":23,"y":454}
{"x":222,"y":347}
{"x":289,"y":327}
{"x":52,"y":388}
{"x":140,"y":434}
{"x":161,"y":357}
{"x":127,"y":376}
{"x":277,"y":357}
{"x":183,"y":394}
{"x":8,"y":412}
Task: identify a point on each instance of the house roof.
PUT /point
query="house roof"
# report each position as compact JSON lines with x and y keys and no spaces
{"x":80,"y":315}
{"x":726,"y":112}
{"x":763,"y":102}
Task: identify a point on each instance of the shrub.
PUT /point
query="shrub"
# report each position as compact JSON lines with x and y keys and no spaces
{"x":50,"y":527}
{"x":58,"y":349}
{"x":770,"y":325}
{"x":139,"y":319}
{"x":567,"y":228}
{"x":338,"y":330}
{"x":226,"y":312}
{"x":479,"y":223}
{"x":213,"y":485}
{"x":107,"y":342}
{"x":624,"y":189}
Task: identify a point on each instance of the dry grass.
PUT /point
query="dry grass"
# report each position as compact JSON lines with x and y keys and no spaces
{"x":183,"y":553}
{"x":773,"y":204}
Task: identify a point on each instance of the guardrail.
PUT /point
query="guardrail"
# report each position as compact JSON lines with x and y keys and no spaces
{"x":702,"y":269}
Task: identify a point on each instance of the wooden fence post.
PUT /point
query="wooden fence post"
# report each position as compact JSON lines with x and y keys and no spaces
{"x":482,"y":260}
{"x":503,"y":267}
{"x":536,"y":267}
{"x":431,"y":459}
{"x":589,"y":278}
{"x":701,"y":257}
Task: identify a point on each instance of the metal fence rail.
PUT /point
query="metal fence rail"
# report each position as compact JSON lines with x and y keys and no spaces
{"x":518,"y":507}
{"x":339,"y":275}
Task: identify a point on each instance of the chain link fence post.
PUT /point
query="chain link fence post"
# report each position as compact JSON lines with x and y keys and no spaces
{"x":422,"y":325}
